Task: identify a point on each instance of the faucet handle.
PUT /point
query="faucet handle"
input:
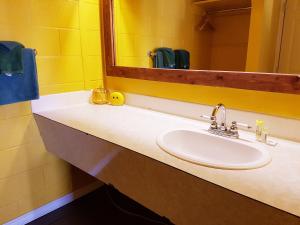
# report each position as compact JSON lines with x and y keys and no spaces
{"x":234,"y":128}
{"x":206,"y":117}
{"x":235,"y":125}
{"x":212,"y":119}
{"x":244,"y":125}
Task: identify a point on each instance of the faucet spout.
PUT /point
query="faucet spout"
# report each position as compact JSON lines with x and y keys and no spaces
{"x":222,"y":108}
{"x":221,"y":129}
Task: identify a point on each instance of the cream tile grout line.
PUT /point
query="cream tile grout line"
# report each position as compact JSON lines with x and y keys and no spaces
{"x":19,"y":145}
{"x":44,"y":176}
{"x":65,"y":83}
{"x":30,"y":19}
{"x":14,"y":117}
{"x":60,"y":85}
{"x":24,"y":141}
{"x":19,"y":116}
{"x":56,"y":28}
{"x":23,"y":172}
{"x":59,"y":56}
{"x":82,"y":46}
{"x":59,"y":41}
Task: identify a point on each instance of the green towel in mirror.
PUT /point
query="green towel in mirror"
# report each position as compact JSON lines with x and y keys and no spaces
{"x":182,"y":59}
{"x":159,"y":60}
{"x":164,"y":58}
{"x":11,"y":58}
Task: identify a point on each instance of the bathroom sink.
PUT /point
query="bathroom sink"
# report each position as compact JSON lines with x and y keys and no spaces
{"x":213,"y":151}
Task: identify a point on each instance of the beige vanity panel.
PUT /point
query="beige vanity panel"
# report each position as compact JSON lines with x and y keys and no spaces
{"x":183,"y":198}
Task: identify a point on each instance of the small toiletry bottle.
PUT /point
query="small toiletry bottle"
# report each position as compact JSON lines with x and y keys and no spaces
{"x":259,"y":129}
{"x":264,"y":135}
{"x":99,"y":96}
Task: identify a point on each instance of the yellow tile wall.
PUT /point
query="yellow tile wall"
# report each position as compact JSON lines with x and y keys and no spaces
{"x":66,"y":34}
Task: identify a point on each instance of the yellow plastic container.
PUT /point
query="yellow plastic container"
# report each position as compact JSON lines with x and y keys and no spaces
{"x":99,"y":96}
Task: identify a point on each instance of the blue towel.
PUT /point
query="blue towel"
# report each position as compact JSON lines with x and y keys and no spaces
{"x":20,"y":87}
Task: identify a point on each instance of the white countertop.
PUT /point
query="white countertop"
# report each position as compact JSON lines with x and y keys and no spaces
{"x":277,"y":184}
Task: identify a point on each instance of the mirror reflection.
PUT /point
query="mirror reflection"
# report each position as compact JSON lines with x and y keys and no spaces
{"x":227,"y":35}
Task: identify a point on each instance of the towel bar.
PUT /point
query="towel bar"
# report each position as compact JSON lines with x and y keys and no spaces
{"x":35,"y":52}
{"x":151,"y":54}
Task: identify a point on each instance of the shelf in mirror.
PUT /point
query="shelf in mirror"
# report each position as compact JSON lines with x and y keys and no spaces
{"x":211,"y":6}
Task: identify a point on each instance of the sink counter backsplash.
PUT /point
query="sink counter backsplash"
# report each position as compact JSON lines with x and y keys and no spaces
{"x":137,"y":128}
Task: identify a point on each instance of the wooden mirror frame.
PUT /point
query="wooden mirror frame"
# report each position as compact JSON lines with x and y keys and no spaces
{"x":270,"y":82}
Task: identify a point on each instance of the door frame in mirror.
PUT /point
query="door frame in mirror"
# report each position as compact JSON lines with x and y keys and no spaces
{"x":270,"y":82}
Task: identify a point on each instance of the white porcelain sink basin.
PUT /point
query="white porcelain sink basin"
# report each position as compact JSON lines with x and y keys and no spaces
{"x":213,"y":151}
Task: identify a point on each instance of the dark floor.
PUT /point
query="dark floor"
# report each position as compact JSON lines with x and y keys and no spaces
{"x":105,"y":206}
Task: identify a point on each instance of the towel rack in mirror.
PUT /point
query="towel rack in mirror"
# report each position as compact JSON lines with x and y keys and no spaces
{"x":151,"y":54}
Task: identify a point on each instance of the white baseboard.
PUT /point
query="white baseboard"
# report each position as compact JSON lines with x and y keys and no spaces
{"x":51,"y":206}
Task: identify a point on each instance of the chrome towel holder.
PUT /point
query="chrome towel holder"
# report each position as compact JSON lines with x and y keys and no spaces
{"x":151,"y":54}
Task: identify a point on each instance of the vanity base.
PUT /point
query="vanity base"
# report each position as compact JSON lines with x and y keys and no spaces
{"x":170,"y":192}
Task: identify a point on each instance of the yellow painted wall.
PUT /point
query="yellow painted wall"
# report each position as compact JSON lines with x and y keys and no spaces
{"x":143,"y":25}
{"x":262,"y":102}
{"x":66,"y":36}
{"x":230,"y":41}
{"x":289,"y":52}
{"x":264,"y":29}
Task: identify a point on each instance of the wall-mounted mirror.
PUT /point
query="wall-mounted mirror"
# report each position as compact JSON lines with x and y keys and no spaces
{"x":255,"y":37}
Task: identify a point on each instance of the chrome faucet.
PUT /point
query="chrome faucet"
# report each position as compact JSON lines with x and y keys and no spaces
{"x":223,"y":118}
{"x":222,"y":129}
